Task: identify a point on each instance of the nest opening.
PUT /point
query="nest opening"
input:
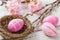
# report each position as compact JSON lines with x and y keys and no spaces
{"x":25,"y":31}
{"x":6,"y":21}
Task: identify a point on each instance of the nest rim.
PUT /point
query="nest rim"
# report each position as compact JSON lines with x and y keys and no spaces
{"x":27,"y":31}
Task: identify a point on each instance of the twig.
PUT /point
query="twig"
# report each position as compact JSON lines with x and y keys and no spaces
{"x":47,"y":11}
{"x":45,"y":6}
{"x":50,"y":8}
{"x":3,"y":2}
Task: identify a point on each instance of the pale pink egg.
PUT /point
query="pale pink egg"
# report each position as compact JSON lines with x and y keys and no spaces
{"x":34,"y":7}
{"x":49,"y":29}
{"x":52,"y":19}
{"x":15,"y":25}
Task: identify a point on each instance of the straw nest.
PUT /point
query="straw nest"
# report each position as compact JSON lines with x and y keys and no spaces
{"x":26,"y":30}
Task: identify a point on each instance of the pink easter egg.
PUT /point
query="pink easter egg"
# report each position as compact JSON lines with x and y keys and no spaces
{"x":52,"y":19}
{"x":15,"y":25}
{"x":49,"y":29}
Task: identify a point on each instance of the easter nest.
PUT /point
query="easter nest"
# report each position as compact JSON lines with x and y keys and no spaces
{"x":25,"y":31}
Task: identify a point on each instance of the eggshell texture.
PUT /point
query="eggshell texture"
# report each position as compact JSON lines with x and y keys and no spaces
{"x":52,"y":19}
{"x":49,"y":29}
{"x":15,"y":25}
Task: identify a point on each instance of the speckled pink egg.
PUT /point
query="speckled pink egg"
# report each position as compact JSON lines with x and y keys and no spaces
{"x":15,"y":25}
{"x":49,"y":29}
{"x":52,"y":19}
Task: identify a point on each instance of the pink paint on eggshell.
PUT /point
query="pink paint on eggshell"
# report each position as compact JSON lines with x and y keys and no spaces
{"x":52,"y":19}
{"x":15,"y":25}
{"x":49,"y":29}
